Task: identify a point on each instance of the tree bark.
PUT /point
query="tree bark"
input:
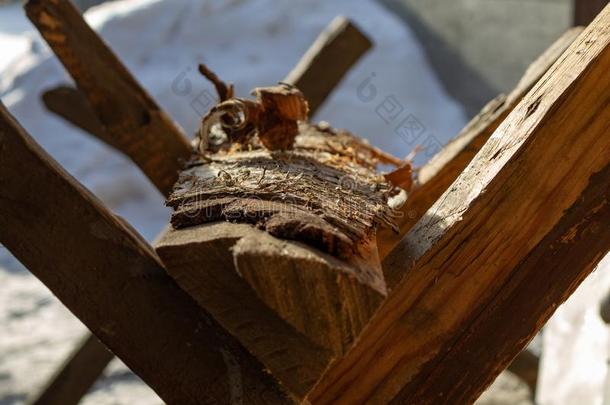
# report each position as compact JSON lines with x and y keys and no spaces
{"x":322,"y":202}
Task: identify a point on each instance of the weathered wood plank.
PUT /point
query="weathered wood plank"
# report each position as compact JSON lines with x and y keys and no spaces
{"x":586,"y":10}
{"x":494,"y":256}
{"x":328,"y":59}
{"x":129,"y":115}
{"x":107,"y":275}
{"x":78,"y":373}
{"x":436,"y":176}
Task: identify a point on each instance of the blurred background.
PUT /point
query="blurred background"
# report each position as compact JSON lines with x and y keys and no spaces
{"x":440,"y":60}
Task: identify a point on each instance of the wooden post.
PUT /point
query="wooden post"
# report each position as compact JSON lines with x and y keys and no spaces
{"x":76,"y":375}
{"x":487,"y":265}
{"x":107,"y":275}
{"x":435,"y":177}
{"x":586,"y":10}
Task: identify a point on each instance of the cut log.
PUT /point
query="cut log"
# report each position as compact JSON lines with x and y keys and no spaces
{"x":107,"y":275}
{"x":586,"y":10}
{"x":328,"y":59}
{"x":129,"y":115}
{"x":74,"y":378}
{"x":323,"y":193}
{"x":487,"y":265}
{"x":436,"y":176}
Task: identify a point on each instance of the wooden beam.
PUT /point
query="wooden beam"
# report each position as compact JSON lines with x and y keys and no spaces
{"x":78,"y":373}
{"x":586,"y":10}
{"x":107,"y":275}
{"x":490,"y":261}
{"x":129,"y":115}
{"x":436,"y":176}
{"x":328,"y":59}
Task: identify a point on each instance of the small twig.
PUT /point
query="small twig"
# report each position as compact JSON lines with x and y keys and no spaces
{"x":224,"y":90}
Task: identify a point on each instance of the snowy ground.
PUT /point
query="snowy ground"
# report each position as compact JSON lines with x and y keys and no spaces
{"x":248,"y":42}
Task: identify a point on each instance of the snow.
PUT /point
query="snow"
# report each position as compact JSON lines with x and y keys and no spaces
{"x":249,"y":42}
{"x":13,"y":34}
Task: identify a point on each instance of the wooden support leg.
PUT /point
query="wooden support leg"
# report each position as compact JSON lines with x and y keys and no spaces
{"x":525,"y":366}
{"x":514,"y":236}
{"x":72,"y":105}
{"x":107,"y":275}
{"x":78,"y":373}
{"x":436,"y":176}
{"x":328,"y":59}
{"x":129,"y":115}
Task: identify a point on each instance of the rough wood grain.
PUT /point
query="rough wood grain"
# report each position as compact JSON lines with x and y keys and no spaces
{"x":328,"y":59}
{"x":494,"y":256}
{"x":107,"y":275}
{"x":586,"y":10}
{"x":129,"y":115}
{"x":436,"y":176}
{"x":78,"y":373}
{"x":201,"y":261}
{"x":551,"y":273}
